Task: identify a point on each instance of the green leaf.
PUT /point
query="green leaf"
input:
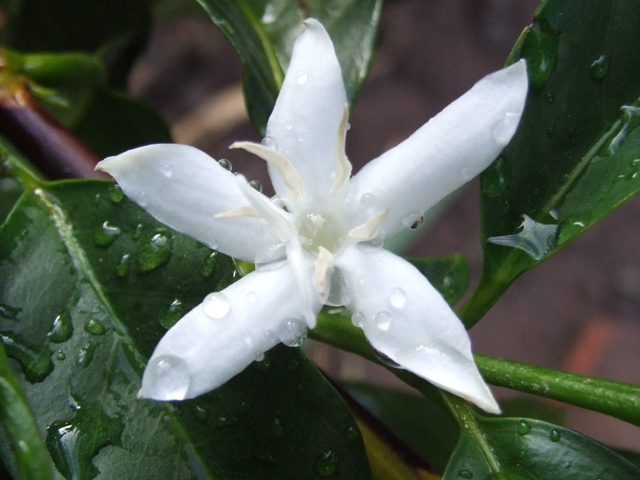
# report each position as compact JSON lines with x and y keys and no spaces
{"x":421,"y":424}
{"x":264,"y":44}
{"x":449,"y":275}
{"x":18,"y":427}
{"x":522,"y":448}
{"x":575,"y":155}
{"x":88,"y":285}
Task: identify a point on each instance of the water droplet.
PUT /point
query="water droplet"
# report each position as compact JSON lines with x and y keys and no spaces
{"x":630,"y":121}
{"x":62,"y":328}
{"x":293,"y":332}
{"x":271,"y":258}
{"x":85,"y":355}
{"x":116,"y":194}
{"x":269,"y":15}
{"x":302,"y":77}
{"x":466,"y":474}
{"x":276,"y":428}
{"x":383,"y":320}
{"x":397,"y":298}
{"x":550,"y":98}
{"x":169,"y":376}
{"x":554,"y":436}
{"x":496,"y":178}
{"x":502,"y":133}
{"x":216,"y":305}
{"x":288,"y":126}
{"x":167,"y":170}
{"x":122,"y":268}
{"x":413,"y":221}
{"x":357,"y":319}
{"x":137,"y":233}
{"x":143,"y":199}
{"x":600,"y":67}
{"x":256,"y":185}
{"x":226,"y":164}
{"x":327,"y":464}
{"x":61,"y":355}
{"x":369,"y":200}
{"x":523,"y":428}
{"x":269,"y":143}
{"x":106,"y":234}
{"x":209,"y":265}
{"x":535,"y":238}
{"x":36,"y":363}
{"x":540,"y":48}
{"x":94,"y":327}
{"x":172,"y":314}
{"x":252,"y":297}
{"x":154,"y":251}
{"x":9,"y":312}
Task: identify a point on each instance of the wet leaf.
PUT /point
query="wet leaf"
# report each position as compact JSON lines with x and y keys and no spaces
{"x":576,"y":155}
{"x":449,"y":275}
{"x":85,"y":326}
{"x":264,"y":44}
{"x":527,"y":449}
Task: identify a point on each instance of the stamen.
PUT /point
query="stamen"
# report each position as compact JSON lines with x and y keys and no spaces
{"x":323,"y":268}
{"x":283,"y":166}
{"x":369,"y":229}
{"x":247,"y":211}
{"x":275,"y":216}
{"x":343,"y":165}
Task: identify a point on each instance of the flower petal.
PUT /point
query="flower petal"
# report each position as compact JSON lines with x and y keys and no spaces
{"x":185,"y":188}
{"x":449,"y":150}
{"x":222,"y":336}
{"x":407,"y":320}
{"x":305,"y":121}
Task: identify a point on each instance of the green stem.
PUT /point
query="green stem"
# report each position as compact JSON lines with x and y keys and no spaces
{"x":620,"y":400}
{"x":466,"y":420}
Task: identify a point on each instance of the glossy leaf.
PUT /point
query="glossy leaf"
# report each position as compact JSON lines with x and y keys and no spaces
{"x":449,"y":275}
{"x":527,"y":449}
{"x":263,"y":33}
{"x":88,"y":284}
{"x":576,"y":155}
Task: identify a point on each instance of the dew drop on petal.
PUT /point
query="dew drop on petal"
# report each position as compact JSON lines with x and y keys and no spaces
{"x":143,"y":199}
{"x":369,"y":200}
{"x":252,"y":297}
{"x":293,"y":332}
{"x":397,"y":298}
{"x":256,"y":185}
{"x":268,"y":142}
{"x":383,"y":320}
{"x":226,"y":164}
{"x":413,"y":221}
{"x":504,"y":129}
{"x":302,"y":77}
{"x":216,"y":305}
{"x":167,"y":170}
{"x":357,"y":319}
{"x":169,"y":377}
{"x":247,"y":338}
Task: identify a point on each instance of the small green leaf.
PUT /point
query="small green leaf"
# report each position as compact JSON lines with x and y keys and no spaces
{"x":527,"y":449}
{"x":576,"y":155}
{"x":263,"y":33}
{"x":93,"y":323}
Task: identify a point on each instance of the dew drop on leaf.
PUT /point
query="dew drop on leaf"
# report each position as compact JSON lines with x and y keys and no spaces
{"x":154,"y":251}
{"x":62,"y":328}
{"x":276,"y":428}
{"x":209,"y":265}
{"x":36,"y":363}
{"x":554,"y":436}
{"x":496,"y":178}
{"x":106,"y":234}
{"x":600,"y":67}
{"x":327,"y":464}
{"x":85,"y":355}
{"x":466,"y":474}
{"x":523,"y":428}
{"x":137,"y":233}
{"x":116,"y":194}
{"x":61,"y":355}
{"x":9,"y":312}
{"x":122,"y":268}
{"x":94,"y":327}
{"x":172,"y":314}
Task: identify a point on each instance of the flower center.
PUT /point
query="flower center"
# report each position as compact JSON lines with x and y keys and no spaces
{"x":321,"y":230}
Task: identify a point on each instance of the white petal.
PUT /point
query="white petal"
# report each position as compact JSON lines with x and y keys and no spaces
{"x":406,"y":319}
{"x":185,"y":188}
{"x":222,"y":336}
{"x":449,"y":150}
{"x":305,"y":121}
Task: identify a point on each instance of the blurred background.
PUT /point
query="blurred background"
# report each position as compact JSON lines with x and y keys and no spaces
{"x":577,"y":312}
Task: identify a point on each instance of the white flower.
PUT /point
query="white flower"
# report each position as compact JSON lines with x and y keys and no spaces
{"x":319,"y":240}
